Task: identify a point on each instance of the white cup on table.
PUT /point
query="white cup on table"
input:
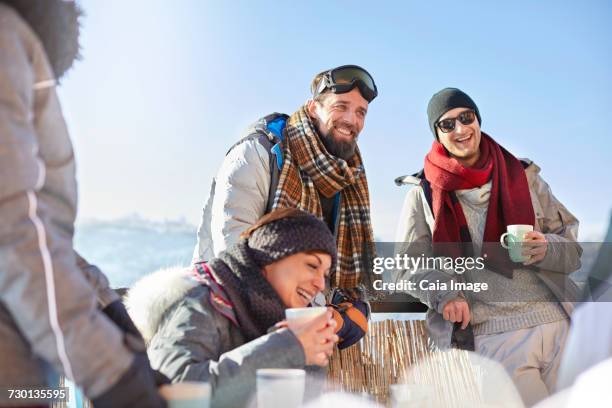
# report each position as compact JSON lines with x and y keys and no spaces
{"x":188,"y":394}
{"x":280,"y":387}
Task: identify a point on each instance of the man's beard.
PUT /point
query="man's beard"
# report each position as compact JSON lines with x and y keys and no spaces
{"x":341,"y":149}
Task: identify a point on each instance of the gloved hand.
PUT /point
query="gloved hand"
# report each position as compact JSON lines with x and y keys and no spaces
{"x":351,"y":313}
{"x":135,"y":388}
{"x":160,"y":379}
{"x":117,"y":312}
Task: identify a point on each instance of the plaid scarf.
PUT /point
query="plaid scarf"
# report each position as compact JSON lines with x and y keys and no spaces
{"x":308,"y":169}
{"x":509,"y":203}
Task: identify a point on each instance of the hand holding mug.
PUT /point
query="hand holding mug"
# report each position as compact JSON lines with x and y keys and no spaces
{"x":513,"y":241}
{"x":317,"y":338}
{"x":534,"y":247}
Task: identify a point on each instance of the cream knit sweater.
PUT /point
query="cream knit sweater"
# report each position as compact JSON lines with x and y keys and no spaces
{"x":509,"y":304}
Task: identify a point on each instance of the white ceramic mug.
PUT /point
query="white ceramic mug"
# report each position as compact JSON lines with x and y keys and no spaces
{"x":279,"y":387}
{"x":515,"y":237}
{"x":188,"y":394}
{"x":301,"y":315}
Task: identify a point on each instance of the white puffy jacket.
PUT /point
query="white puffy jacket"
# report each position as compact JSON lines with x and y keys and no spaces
{"x":238,"y":196}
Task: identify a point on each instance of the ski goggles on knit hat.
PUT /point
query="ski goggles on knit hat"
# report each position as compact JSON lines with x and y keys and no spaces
{"x":343,"y":79}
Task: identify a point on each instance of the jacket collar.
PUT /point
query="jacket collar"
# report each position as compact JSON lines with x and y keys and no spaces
{"x":531,"y":171}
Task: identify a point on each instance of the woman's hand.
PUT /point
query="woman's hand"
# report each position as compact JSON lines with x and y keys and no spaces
{"x":317,"y":338}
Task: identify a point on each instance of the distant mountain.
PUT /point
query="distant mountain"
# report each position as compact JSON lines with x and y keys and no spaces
{"x":128,"y":248}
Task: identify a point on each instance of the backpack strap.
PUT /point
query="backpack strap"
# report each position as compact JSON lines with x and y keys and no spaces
{"x":427,"y":191}
{"x":277,"y":128}
{"x":271,"y":138}
{"x":525,"y":162}
{"x":426,"y":188}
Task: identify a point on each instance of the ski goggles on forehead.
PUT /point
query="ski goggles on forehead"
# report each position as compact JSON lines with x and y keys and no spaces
{"x":448,"y":125}
{"x":343,"y":79}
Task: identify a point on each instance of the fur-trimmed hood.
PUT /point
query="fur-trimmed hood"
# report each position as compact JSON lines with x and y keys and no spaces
{"x":56,"y":23}
{"x":153,"y":295}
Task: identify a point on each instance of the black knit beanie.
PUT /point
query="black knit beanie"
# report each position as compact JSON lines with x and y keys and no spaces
{"x":445,"y":100}
{"x":283,"y":237}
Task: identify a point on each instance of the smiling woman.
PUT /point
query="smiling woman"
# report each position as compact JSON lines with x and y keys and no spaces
{"x":222,"y":320}
{"x":298,"y":278}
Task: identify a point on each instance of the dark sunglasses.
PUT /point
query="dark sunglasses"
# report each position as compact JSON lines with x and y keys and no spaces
{"x":448,"y":125}
{"x":343,"y":79}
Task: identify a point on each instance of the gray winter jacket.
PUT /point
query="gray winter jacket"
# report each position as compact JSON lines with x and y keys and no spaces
{"x":554,"y":220}
{"x":49,"y":321}
{"x":189,"y":340}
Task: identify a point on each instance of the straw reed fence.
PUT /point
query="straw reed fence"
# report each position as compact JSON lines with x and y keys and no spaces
{"x":381,"y":358}
{"x":400,"y":352}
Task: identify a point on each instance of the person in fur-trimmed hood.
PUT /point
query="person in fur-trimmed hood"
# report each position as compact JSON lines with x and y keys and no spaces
{"x":470,"y":190}
{"x":57,"y":313}
{"x":220,"y":321}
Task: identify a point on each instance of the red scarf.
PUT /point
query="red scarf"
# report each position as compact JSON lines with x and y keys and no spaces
{"x":509,"y":203}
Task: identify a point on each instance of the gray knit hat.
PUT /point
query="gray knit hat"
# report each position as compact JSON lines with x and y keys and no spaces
{"x":445,"y":100}
{"x":288,"y":231}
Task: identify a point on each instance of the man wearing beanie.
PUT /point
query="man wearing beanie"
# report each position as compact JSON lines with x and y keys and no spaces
{"x":309,"y":160}
{"x":469,"y":191}
{"x":220,"y":321}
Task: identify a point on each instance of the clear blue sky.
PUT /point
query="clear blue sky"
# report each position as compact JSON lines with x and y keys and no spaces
{"x":164,"y":88}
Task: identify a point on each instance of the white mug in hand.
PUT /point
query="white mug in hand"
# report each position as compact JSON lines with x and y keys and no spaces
{"x":300,"y":315}
{"x":515,"y":237}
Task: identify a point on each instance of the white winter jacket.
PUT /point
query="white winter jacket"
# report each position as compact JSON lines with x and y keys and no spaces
{"x":238,"y":195}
